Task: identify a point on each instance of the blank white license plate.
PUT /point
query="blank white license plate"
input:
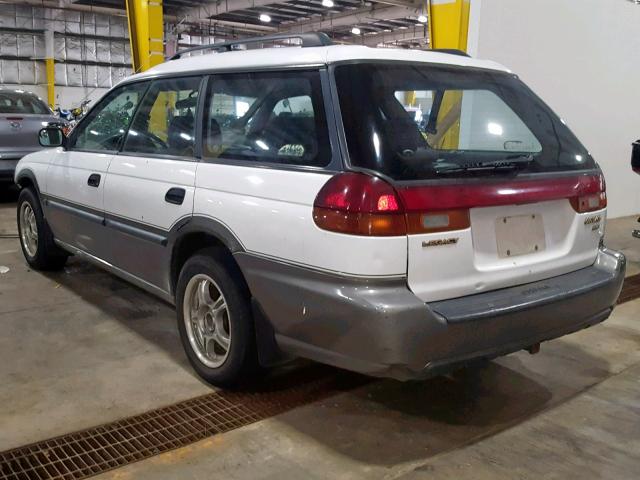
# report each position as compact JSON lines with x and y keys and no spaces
{"x":519,"y":235}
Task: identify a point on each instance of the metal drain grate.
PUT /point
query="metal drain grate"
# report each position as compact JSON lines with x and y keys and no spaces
{"x":99,"y":449}
{"x":630,"y":289}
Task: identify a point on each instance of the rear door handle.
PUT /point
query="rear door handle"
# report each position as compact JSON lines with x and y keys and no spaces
{"x":94,"y":180}
{"x":175,"y":195}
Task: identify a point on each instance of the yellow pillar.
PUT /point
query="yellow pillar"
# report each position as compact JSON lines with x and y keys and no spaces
{"x":51,"y":90}
{"x":449,"y":28}
{"x":146,"y":34}
{"x":449,"y":23}
{"x":50,"y":67}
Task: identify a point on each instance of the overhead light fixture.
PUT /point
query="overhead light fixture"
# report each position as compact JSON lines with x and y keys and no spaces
{"x":355,"y":31}
{"x":327,"y":3}
{"x":265,"y":18}
{"x":422,"y":18}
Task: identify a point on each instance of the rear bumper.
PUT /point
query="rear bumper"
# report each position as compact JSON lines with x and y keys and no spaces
{"x":379,"y":327}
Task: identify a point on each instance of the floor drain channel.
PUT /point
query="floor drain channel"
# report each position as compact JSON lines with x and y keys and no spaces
{"x":630,"y":289}
{"x":99,"y":449}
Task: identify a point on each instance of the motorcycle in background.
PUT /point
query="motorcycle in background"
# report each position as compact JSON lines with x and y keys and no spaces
{"x":72,"y":116}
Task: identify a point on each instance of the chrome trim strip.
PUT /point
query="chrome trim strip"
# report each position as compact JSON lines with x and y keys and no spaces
{"x":138,"y":282}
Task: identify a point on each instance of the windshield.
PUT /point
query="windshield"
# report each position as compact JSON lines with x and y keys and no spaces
{"x":418,"y":121}
{"x":22,"y":103}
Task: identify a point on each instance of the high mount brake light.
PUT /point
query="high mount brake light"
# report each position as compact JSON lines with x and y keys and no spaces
{"x":360,"y":204}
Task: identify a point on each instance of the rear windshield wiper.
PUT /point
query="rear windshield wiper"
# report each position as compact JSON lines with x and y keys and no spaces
{"x":512,"y":162}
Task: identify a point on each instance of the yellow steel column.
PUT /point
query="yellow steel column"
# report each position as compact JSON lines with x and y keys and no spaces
{"x":146,"y":34}
{"x":449,"y":28}
{"x":51,"y":89}
{"x":50,"y":67}
{"x":449,"y":23}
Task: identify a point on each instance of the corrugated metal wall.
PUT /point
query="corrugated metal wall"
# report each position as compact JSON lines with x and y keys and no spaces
{"x":91,"y":50}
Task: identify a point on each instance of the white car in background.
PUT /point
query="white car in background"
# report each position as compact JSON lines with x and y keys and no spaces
{"x":286,"y":201}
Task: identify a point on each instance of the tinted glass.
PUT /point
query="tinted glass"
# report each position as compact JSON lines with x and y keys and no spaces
{"x":106,"y":124}
{"x":22,"y":103}
{"x":266,"y":117}
{"x":165,"y":123}
{"x":416,"y":121}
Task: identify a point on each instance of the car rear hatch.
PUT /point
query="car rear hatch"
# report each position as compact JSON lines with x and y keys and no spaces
{"x":495,"y":189}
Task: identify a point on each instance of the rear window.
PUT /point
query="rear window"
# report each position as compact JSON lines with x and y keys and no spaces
{"x":22,"y":103}
{"x":416,"y":121}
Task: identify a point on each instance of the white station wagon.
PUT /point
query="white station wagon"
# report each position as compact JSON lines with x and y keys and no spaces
{"x":393,"y":212}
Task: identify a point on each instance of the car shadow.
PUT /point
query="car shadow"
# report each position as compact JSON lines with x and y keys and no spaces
{"x":388,"y":423}
{"x":8,"y":193}
{"x":378,"y":422}
{"x":140,"y":312}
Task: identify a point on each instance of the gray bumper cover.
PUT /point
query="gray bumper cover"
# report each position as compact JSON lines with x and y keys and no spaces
{"x":379,"y":327}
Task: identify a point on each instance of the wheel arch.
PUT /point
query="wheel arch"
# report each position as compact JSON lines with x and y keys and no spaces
{"x":198,"y":233}
{"x":26,"y":178}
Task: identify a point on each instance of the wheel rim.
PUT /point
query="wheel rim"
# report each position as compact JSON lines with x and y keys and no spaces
{"x":207,"y":321}
{"x":28,"y":229}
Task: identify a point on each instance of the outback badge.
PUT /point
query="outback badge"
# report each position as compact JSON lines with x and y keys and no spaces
{"x":441,"y":242}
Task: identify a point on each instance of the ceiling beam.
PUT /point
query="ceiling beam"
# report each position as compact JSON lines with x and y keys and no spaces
{"x":216,"y":7}
{"x":415,"y":34}
{"x":354,"y":17}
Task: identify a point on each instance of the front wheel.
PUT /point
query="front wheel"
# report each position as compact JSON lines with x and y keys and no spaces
{"x":215,"y":321}
{"x":36,"y":238}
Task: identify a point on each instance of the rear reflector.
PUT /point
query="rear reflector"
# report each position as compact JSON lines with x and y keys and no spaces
{"x":442,"y":221}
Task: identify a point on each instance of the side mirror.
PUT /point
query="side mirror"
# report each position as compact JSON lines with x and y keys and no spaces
{"x":635,"y":156}
{"x":51,"y":137}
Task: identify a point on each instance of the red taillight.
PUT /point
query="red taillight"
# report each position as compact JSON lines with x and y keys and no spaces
{"x":359,"y":204}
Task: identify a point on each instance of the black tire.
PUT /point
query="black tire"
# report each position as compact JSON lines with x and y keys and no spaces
{"x":47,"y":256}
{"x":241,"y":363}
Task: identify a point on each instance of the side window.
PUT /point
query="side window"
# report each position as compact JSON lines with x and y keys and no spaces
{"x":272,"y":117}
{"x":105,"y":126}
{"x":165,"y":123}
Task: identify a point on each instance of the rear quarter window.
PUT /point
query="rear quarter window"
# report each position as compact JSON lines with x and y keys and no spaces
{"x":266,"y":117}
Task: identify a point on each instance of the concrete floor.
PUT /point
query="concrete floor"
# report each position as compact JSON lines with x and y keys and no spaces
{"x":80,"y":348}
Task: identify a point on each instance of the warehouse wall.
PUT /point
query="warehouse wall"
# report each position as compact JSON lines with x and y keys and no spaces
{"x":91,"y":51}
{"x":582,"y":58}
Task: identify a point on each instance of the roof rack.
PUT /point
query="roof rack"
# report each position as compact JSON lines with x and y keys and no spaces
{"x":310,"y":39}
{"x":451,"y":51}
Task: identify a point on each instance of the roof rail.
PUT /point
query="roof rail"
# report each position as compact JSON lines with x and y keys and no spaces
{"x":310,"y":39}
{"x":451,"y":51}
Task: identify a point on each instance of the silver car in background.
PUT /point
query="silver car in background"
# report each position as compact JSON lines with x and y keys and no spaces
{"x":22,"y":116}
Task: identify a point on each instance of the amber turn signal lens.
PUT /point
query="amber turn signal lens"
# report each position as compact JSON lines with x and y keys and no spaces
{"x":367,"y":224}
